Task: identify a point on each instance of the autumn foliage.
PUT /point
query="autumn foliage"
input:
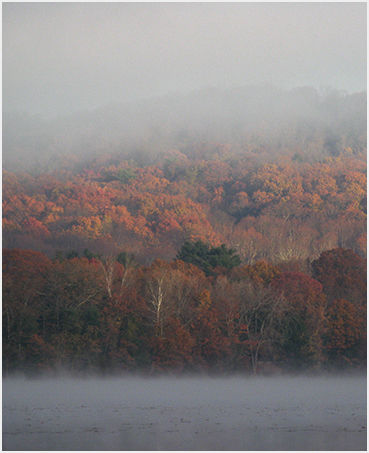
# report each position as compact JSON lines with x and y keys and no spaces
{"x":279,"y":212}
{"x":205,"y":258}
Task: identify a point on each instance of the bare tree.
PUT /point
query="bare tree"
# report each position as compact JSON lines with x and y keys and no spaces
{"x":157,"y":285}
{"x":261,"y":310}
{"x":169,"y":292}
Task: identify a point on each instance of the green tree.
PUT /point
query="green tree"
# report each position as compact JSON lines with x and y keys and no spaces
{"x":207,"y":258}
{"x":125,"y":175}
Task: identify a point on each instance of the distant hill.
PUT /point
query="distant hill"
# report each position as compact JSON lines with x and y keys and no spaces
{"x":260,"y":115}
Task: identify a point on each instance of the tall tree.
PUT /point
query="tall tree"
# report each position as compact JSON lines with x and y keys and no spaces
{"x":304,"y":322}
{"x":346,"y":332}
{"x":24,"y":275}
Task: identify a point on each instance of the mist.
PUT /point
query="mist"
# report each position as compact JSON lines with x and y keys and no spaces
{"x":63,"y":58}
{"x":279,"y":121}
{"x":193,"y":413}
{"x":85,"y":79}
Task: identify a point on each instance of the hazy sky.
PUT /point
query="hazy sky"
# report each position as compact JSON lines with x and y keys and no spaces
{"x":63,"y":57}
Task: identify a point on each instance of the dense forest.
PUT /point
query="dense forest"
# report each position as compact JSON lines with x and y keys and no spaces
{"x":197,"y":242}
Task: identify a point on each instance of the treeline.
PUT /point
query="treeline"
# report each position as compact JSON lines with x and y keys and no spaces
{"x":99,"y":313}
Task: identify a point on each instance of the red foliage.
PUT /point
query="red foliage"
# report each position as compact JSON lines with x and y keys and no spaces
{"x":299,"y":288}
{"x":342,"y":274}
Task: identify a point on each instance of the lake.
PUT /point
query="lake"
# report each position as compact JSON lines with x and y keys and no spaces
{"x":192,"y":413}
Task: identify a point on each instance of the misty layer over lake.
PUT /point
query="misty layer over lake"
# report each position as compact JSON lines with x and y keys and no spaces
{"x":197,"y":413}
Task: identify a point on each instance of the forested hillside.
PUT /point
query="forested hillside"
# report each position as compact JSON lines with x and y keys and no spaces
{"x":280,"y":211}
{"x":232,"y":246}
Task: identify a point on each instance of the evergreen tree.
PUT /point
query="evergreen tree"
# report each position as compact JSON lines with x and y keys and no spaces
{"x":207,"y":258}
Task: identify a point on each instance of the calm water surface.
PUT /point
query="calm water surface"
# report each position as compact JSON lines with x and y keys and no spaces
{"x":283,"y":413}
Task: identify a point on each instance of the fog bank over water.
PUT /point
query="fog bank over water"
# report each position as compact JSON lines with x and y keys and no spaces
{"x":235,"y":413}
